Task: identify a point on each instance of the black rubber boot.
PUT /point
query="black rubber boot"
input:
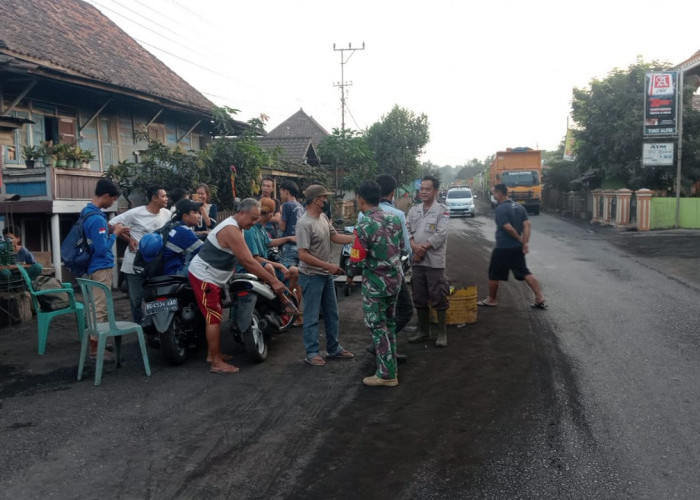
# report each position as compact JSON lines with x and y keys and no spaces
{"x":441,"y":329}
{"x":423,"y":327}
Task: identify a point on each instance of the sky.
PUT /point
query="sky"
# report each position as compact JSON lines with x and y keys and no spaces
{"x":488,"y":75}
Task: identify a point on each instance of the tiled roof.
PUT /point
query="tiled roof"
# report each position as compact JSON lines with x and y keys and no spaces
{"x":692,"y":62}
{"x":71,"y":37}
{"x":293,"y":149}
{"x":300,"y":125}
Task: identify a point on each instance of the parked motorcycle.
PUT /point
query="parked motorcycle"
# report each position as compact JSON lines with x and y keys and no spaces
{"x":172,"y":319}
{"x":257,"y":313}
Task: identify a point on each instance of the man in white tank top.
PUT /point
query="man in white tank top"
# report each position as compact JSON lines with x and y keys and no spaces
{"x":213,"y":266}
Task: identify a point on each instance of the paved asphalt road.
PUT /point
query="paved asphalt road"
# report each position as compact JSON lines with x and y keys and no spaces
{"x":594,"y":398}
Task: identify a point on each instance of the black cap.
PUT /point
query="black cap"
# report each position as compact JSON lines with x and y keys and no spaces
{"x":184,"y":206}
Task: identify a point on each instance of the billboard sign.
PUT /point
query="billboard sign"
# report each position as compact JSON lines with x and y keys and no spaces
{"x":661,"y":104}
{"x":569,"y":145}
{"x":657,"y":154}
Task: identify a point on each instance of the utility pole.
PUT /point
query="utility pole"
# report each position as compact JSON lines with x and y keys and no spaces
{"x":342,"y":84}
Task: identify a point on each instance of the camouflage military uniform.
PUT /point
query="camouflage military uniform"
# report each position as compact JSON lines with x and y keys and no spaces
{"x":377,"y":251}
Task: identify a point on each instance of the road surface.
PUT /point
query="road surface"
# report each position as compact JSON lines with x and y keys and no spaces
{"x":595,"y":397}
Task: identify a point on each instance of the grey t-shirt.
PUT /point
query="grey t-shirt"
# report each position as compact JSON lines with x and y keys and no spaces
{"x":511,"y":212}
{"x":314,"y":234}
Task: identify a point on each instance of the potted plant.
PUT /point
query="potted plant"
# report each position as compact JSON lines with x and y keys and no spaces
{"x":29,"y":155}
{"x":61,"y":151}
{"x":47,"y":154}
{"x":86,"y":156}
{"x":73,"y":156}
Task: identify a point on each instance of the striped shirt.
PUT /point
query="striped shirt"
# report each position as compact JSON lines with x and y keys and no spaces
{"x":213,"y":263}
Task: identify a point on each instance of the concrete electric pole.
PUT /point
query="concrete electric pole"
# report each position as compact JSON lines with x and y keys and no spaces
{"x":342,"y":84}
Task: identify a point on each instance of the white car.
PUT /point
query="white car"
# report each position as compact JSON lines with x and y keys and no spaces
{"x":460,"y":201}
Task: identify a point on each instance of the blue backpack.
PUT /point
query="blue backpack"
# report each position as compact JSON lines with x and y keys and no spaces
{"x":75,"y":249}
{"x":149,"y":261}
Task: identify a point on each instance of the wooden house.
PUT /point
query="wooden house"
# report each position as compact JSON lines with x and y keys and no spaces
{"x":68,"y":74}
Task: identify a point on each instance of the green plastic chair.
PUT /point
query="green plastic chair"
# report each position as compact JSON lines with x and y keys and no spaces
{"x":44,"y":317}
{"x":111,"y":328}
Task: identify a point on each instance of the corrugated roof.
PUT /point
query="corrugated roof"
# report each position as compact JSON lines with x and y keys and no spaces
{"x":74,"y":38}
{"x":300,"y":125}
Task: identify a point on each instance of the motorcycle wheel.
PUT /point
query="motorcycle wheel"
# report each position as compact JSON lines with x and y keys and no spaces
{"x":287,"y":321}
{"x":152,"y":337}
{"x":254,"y":340}
{"x":173,"y":343}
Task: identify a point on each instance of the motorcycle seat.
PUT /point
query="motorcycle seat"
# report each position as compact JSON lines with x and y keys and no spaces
{"x":167,"y":278}
{"x":244,"y":276}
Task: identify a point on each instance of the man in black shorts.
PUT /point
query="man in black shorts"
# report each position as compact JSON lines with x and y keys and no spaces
{"x":512,"y":236}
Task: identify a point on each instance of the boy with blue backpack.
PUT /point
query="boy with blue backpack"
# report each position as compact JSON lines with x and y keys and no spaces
{"x":101,"y":240}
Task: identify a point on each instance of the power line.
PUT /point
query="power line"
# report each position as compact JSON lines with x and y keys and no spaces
{"x":159,"y":49}
{"x":182,"y":59}
{"x":171,"y":19}
{"x":196,"y":14}
{"x":353,"y":118}
{"x":175,"y":41}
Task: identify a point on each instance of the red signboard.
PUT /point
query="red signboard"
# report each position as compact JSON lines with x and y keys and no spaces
{"x":661,"y":104}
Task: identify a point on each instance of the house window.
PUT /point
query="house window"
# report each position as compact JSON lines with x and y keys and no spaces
{"x":51,"y":128}
{"x":19,"y":136}
{"x":59,"y":129}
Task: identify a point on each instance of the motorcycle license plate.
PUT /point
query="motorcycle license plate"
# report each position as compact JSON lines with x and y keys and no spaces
{"x":161,"y":305}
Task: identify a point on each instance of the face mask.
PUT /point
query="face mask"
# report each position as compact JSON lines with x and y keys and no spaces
{"x":326,"y":206}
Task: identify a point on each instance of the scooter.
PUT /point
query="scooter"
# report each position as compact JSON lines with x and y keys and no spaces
{"x":256,"y":314}
{"x":172,"y":318}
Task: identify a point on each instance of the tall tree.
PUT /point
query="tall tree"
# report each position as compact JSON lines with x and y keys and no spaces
{"x":347,"y":153}
{"x":609,"y":115}
{"x":473,"y":167}
{"x":397,"y":141}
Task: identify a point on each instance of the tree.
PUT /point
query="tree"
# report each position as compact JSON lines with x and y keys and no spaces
{"x":473,"y":167}
{"x":610,"y":116}
{"x":247,"y":156}
{"x":175,"y":167}
{"x":429,"y":168}
{"x":160,"y":166}
{"x":559,"y":173}
{"x":397,"y":141}
{"x":347,"y":151}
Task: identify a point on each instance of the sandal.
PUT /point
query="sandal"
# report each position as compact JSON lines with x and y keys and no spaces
{"x":538,"y":305}
{"x":227,"y":368}
{"x":315,"y":360}
{"x":343,"y":354}
{"x":483,"y":303}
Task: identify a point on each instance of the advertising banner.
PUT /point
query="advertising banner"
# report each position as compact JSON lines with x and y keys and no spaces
{"x":569,"y":145}
{"x":657,"y":154}
{"x":661,"y":104}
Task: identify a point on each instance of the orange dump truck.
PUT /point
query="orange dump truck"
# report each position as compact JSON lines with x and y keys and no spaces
{"x":520,"y":169}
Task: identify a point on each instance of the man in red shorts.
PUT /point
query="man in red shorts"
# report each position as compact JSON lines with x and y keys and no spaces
{"x":213,"y":266}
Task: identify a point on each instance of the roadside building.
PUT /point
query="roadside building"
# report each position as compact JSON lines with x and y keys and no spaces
{"x":70,"y":77}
